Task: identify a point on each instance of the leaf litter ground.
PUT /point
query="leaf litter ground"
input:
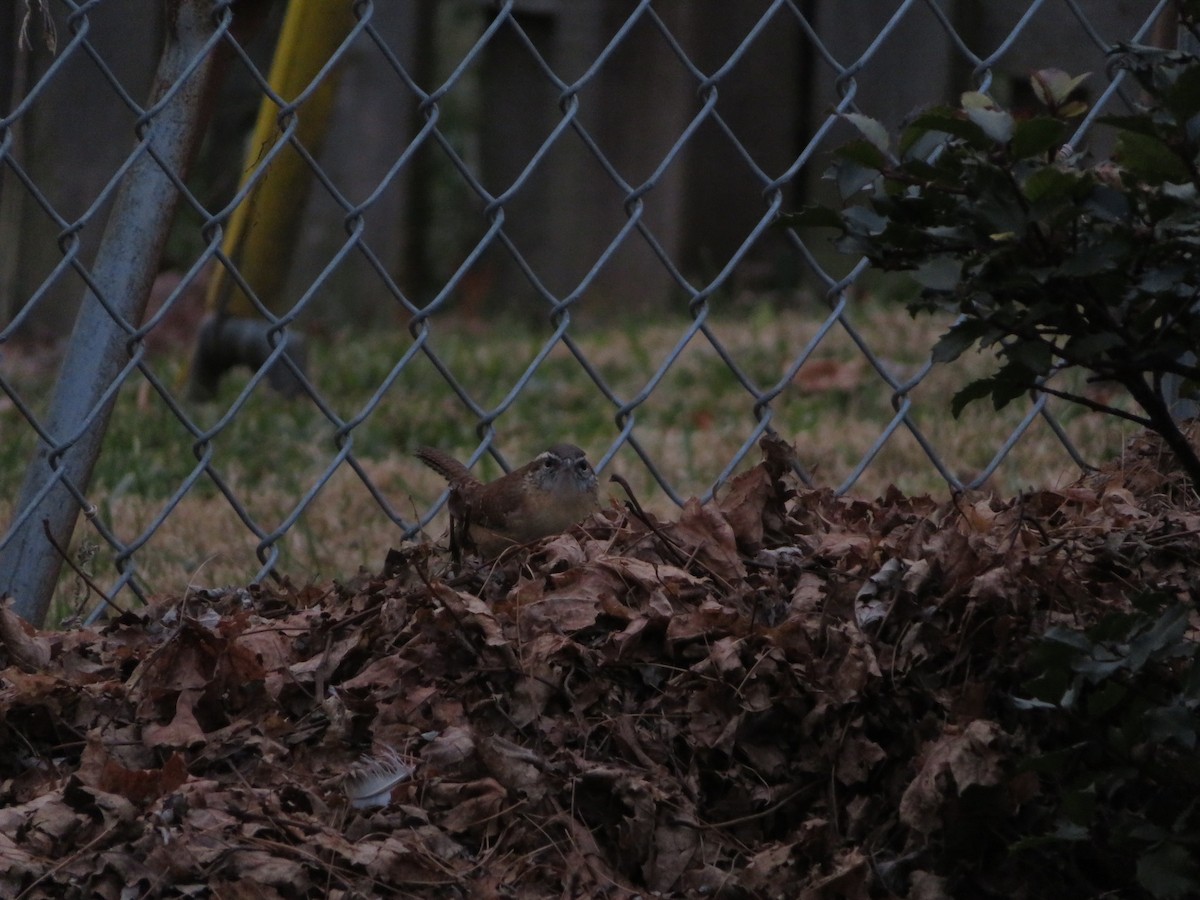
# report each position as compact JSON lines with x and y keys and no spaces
{"x":782,"y":694}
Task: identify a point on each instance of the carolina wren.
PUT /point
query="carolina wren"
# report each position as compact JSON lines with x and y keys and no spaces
{"x":543,"y":497}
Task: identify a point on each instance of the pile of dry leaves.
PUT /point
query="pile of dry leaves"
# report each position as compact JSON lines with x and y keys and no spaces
{"x":783,"y":694}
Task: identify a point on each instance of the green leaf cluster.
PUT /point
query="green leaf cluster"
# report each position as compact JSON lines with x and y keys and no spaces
{"x":1049,"y":260}
{"x":1120,"y":710}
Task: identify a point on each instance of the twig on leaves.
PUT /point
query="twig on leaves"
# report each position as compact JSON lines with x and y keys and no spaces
{"x":673,"y":549}
{"x":66,"y":557}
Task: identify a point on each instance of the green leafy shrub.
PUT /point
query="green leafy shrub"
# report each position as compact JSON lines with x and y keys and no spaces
{"x":1049,"y":260}
{"x":1117,"y":725}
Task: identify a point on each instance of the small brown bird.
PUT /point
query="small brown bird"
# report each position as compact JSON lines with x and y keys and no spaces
{"x":543,"y":497}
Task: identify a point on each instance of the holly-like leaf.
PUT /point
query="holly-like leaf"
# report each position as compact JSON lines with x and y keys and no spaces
{"x":976,"y":390}
{"x":961,"y":337}
{"x":1034,"y":357}
{"x":977,"y":100}
{"x":1010,"y":382}
{"x":1107,"y":203}
{"x":858,"y":163}
{"x":1053,"y":86}
{"x":1183,"y":97}
{"x":941,"y":273}
{"x":1091,"y":346}
{"x":918,"y":144}
{"x":1073,"y":110}
{"x":1161,"y":639}
{"x":1049,"y":185}
{"x":1006,"y":385}
{"x":1036,"y":136}
{"x":871,"y":129}
{"x":948,"y":122}
{"x":1169,"y":871}
{"x":1150,"y":159}
{"x":864,"y":153}
{"x":1136,"y":124}
{"x":1101,"y":255}
{"x":864,"y":220}
{"x":995,"y":123}
{"x":984,"y":112}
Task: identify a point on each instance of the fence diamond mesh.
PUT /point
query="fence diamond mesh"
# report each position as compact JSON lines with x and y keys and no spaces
{"x":444,"y":213}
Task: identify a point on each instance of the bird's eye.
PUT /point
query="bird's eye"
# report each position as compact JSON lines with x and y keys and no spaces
{"x":547,"y":463}
{"x":582,"y":465}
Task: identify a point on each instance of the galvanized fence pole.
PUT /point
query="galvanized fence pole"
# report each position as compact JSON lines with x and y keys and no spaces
{"x":53,"y":492}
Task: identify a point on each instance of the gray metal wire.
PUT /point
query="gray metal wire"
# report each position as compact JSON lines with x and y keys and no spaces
{"x":423,"y":319}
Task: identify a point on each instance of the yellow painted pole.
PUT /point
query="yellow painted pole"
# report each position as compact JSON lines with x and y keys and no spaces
{"x":261,"y":235}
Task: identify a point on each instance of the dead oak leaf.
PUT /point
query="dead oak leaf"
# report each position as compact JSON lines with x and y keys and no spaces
{"x":97,"y":769}
{"x":770,"y":867}
{"x":857,"y":667}
{"x":620,"y":804}
{"x":16,"y":865}
{"x":321,"y":665}
{"x":756,"y":502}
{"x":703,"y":534}
{"x":449,"y":749}
{"x":744,"y":502}
{"x":474,"y":805}
{"x":822,"y":375}
{"x":184,"y":728}
{"x":714,"y":717}
{"x":259,"y":649}
{"x":384,"y":671}
{"x":978,"y":517}
{"x":850,"y":880}
{"x":674,"y":846}
{"x":651,"y":575}
{"x":724,"y":659}
{"x":43,"y":823}
{"x":559,"y":554}
{"x":519,"y":769}
{"x":708,"y":621}
{"x":570,"y":602}
{"x":856,"y":758}
{"x":398,"y":860}
{"x":268,"y":867}
{"x":959,"y":759}
{"x":998,"y":584}
{"x":850,"y":547}
{"x":927,"y":886}
{"x":618,"y":587}
{"x":20,"y":640}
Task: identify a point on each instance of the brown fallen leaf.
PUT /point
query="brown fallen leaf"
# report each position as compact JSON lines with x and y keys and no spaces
{"x":819,"y":375}
{"x":20,"y":640}
{"x":957,"y":760}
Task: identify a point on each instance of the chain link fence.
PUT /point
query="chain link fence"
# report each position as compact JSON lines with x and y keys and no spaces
{"x":424,"y":167}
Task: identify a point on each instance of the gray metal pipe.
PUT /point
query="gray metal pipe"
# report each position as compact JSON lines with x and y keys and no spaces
{"x":125,"y":267}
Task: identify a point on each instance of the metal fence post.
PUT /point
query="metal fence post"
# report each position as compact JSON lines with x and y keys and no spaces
{"x":120,"y":279}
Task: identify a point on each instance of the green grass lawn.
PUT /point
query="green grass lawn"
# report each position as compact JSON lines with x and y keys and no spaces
{"x":274,"y":451}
